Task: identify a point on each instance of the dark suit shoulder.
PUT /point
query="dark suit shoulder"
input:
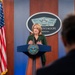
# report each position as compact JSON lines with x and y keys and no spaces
{"x":63,"y":65}
{"x":65,"y":61}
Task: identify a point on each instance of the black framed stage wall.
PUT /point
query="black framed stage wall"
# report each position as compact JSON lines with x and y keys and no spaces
{"x":16,"y":13}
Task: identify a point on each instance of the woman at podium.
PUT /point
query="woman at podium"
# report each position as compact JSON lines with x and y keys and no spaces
{"x":37,"y":37}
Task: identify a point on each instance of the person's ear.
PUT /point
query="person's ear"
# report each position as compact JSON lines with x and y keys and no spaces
{"x":64,"y":41}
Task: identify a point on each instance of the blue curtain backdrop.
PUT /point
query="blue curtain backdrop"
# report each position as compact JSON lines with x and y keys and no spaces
{"x":64,"y":7}
{"x":21,"y":13}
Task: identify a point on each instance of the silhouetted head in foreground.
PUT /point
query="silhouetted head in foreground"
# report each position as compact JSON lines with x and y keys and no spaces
{"x":66,"y":64}
{"x":68,"y":32}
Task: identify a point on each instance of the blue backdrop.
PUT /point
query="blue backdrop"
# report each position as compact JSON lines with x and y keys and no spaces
{"x":21,"y":14}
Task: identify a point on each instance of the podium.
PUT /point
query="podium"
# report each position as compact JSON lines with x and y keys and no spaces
{"x":42,"y":50}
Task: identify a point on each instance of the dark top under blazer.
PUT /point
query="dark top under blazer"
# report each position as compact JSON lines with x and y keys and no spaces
{"x":41,"y":38}
{"x":63,"y":66}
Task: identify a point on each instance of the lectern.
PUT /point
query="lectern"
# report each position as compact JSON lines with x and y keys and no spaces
{"x":34,"y":51}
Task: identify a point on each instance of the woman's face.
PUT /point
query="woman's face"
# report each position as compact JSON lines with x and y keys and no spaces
{"x":35,"y":30}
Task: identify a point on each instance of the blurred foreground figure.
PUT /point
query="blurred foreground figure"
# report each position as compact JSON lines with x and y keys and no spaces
{"x":66,"y":64}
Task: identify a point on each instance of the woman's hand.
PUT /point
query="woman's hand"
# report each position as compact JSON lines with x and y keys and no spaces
{"x":30,"y":42}
{"x":39,"y":42}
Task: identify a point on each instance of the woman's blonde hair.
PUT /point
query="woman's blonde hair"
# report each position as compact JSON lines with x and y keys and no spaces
{"x":38,"y":27}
